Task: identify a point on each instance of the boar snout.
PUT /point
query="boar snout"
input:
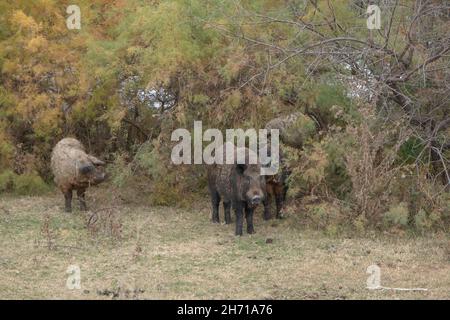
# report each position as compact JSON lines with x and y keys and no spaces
{"x":94,"y":174}
{"x":256,"y":200}
{"x":98,"y":175}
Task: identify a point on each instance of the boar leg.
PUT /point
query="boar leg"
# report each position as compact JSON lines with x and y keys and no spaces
{"x":279,"y":200}
{"x":279,"y":204}
{"x":285,"y":190}
{"x":266,"y":203}
{"x":68,"y":200}
{"x":238,"y":207}
{"x":215,"y":201}
{"x":249,"y":218}
{"x":82,"y":199}
{"x":226,"y":209}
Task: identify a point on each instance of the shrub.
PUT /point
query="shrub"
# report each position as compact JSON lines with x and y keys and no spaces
{"x":119,"y":171}
{"x":308,"y":172}
{"x":7,"y":178}
{"x":370,"y":163}
{"x":151,"y":177}
{"x":421,"y":221}
{"x":6,"y":152}
{"x":299,"y":131}
{"x":330,"y":216}
{"x":30,"y":184}
{"x":397,"y":215}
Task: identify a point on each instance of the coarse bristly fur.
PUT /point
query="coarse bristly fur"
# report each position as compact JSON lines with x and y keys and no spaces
{"x":283,"y":124}
{"x":276,"y":188}
{"x":277,"y":185}
{"x":240,"y":185}
{"x":74,"y":169}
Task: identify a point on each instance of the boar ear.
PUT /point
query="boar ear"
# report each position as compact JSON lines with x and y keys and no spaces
{"x":240,"y":168}
{"x":85,"y":169}
{"x":96,"y":161}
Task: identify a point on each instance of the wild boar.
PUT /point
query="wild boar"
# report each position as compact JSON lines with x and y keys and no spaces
{"x":239,"y":185}
{"x":295,"y":128}
{"x":74,"y":169}
{"x":276,"y":186}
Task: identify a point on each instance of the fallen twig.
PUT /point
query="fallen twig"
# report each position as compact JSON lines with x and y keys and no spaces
{"x":397,"y":289}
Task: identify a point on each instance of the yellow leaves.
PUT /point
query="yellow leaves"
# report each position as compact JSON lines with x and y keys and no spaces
{"x":6,"y":147}
{"x":32,"y":104}
{"x":41,"y":101}
{"x":36,"y":44}
{"x":47,"y":122}
{"x":10,"y":66}
{"x":39,"y":61}
{"x":309,"y":168}
{"x":316,"y":163}
{"x":133,"y":50}
{"x":24,"y":22}
{"x":114,"y":115}
{"x":39,"y":70}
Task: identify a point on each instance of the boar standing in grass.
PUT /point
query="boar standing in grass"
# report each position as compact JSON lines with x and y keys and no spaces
{"x":239,"y":185}
{"x":276,"y":187}
{"x":74,"y":169}
{"x":294,"y":130}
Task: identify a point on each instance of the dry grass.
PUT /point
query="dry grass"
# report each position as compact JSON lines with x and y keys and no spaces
{"x":170,"y":253}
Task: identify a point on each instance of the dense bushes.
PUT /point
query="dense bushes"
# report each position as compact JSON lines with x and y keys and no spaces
{"x":138,"y":69}
{"x":360,"y":176}
{"x":24,"y":184}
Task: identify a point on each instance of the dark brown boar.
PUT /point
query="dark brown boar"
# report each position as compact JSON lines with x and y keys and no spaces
{"x":74,"y":169}
{"x":237,"y":185}
{"x":276,"y":187}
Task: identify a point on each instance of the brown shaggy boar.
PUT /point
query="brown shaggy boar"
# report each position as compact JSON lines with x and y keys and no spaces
{"x":276,"y":187}
{"x":74,"y":169}
{"x":240,"y":185}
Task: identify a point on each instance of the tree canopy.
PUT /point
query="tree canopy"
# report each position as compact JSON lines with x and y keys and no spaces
{"x":136,"y":70}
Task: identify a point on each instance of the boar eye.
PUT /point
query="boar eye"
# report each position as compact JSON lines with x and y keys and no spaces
{"x":86,"y":169}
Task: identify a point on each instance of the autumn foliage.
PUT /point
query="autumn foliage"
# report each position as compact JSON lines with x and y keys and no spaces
{"x":375,"y":105}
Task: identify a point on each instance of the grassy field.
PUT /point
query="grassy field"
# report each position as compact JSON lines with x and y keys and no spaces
{"x":145,"y":252}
